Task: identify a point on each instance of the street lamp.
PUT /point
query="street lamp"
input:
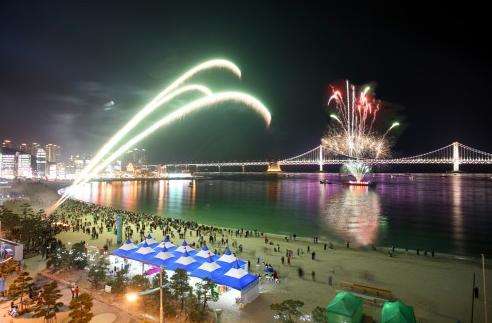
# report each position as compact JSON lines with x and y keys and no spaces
{"x":133,"y":296}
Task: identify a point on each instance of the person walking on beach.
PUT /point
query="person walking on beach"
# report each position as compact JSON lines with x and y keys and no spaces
{"x":72,"y":290}
{"x":300,"y":272}
{"x":313,"y":275}
{"x":330,"y":281}
{"x":313,"y":255}
{"x":324,"y":246}
{"x":282,"y":259}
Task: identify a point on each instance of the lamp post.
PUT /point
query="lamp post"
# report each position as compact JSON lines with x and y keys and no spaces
{"x":161,"y":309}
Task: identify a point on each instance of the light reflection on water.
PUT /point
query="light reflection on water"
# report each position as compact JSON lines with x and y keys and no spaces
{"x":353,"y":214}
{"x":442,"y":212}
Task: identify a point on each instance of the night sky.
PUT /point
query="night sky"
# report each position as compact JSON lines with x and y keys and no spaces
{"x":62,"y":63}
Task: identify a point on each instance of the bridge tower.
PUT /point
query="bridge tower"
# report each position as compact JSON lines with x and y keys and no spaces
{"x":320,"y":159}
{"x":456,"y":157}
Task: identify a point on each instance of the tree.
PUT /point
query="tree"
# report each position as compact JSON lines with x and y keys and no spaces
{"x":81,"y":309}
{"x":20,"y":287}
{"x":118,"y":284}
{"x":194,"y":312}
{"x":97,"y":271}
{"x":59,"y":259}
{"x":154,"y":298}
{"x":319,"y":315}
{"x":78,"y":255}
{"x":287,"y":311}
{"x":47,"y":304}
{"x":138,"y":283}
{"x":206,"y":291}
{"x":180,"y":287}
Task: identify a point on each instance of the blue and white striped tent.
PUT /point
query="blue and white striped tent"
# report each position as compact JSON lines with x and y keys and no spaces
{"x":143,"y":253}
{"x":227,"y":259}
{"x":205,"y":253}
{"x":163,"y":258}
{"x":184,"y":262}
{"x":125,"y":249}
{"x":206,"y":269}
{"x":151,"y":241}
{"x":185,"y":248}
{"x":167,"y":243}
{"x":225,"y":270}
{"x":235,"y":277}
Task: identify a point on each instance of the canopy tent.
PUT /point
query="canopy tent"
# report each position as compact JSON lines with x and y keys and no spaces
{"x":125,"y":249}
{"x":166,"y":242}
{"x":345,"y":307}
{"x":205,"y":253}
{"x":206,"y":269}
{"x":184,"y":248}
{"x":143,"y":253}
{"x":185,"y":262}
{"x":227,"y":270}
{"x":227,"y":259}
{"x":162,"y":259}
{"x":235,"y":277}
{"x":397,"y":312}
{"x":150,"y":240}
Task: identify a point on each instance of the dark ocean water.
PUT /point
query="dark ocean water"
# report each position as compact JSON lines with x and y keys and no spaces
{"x":450,"y":213}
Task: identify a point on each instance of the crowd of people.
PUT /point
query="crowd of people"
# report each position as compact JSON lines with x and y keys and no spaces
{"x":94,"y":220}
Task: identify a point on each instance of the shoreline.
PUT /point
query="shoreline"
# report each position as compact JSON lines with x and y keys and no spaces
{"x":335,"y":242}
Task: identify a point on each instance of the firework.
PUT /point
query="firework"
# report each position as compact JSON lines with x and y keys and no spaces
{"x":164,"y":96}
{"x":352,"y":133}
{"x":196,"y":105}
{"x":173,"y":90}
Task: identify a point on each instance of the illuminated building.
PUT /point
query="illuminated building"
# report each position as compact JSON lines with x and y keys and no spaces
{"x":53,"y":153}
{"x":24,"y":168}
{"x":7,"y":143}
{"x":23,"y":148}
{"x":40,"y":163}
{"x":136,"y":156}
{"x":7,"y":165}
{"x":51,"y":171}
{"x":117,"y":166}
{"x":34,"y":148}
{"x":60,"y":171}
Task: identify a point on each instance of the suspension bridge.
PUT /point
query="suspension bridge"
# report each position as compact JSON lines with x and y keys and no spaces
{"x":454,"y":154}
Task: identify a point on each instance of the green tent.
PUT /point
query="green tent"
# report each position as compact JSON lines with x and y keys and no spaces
{"x":397,"y":312}
{"x":344,"y":308}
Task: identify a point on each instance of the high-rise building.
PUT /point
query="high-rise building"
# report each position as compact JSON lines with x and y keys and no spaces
{"x":61,"y":172}
{"x":51,"y":171}
{"x":34,"y":148}
{"x":24,"y":168}
{"x":53,"y":153}
{"x":40,"y":163}
{"x":7,"y":165}
{"x":7,"y":143}
{"x":136,"y":156}
{"x":24,"y":148}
